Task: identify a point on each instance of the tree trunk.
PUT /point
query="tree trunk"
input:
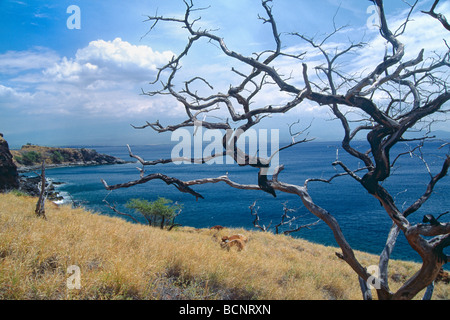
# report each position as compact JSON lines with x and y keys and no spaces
{"x":40,"y":205}
{"x":429,"y":292}
{"x":367,"y":294}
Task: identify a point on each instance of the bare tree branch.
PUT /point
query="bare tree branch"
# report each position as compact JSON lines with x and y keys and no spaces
{"x":440,"y":17}
{"x":113,"y":208}
{"x":414,"y":93}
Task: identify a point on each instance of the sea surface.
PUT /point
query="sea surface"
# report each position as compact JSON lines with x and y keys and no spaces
{"x":363,"y":221}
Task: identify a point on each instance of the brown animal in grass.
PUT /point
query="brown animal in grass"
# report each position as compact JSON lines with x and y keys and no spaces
{"x":235,"y":236}
{"x":237,"y":240}
{"x":239,"y":244}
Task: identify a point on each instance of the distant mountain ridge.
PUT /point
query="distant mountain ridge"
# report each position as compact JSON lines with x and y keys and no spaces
{"x":31,"y":156}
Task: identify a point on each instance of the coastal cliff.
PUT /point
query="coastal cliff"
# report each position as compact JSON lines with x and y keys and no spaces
{"x":9,"y":178}
{"x":30,"y":157}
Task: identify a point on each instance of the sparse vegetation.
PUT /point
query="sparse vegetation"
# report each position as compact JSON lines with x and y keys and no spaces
{"x":29,"y":158}
{"x":33,"y":155}
{"x":123,"y":260}
{"x":57,"y":157}
{"x":18,"y":193}
{"x":160,"y":212}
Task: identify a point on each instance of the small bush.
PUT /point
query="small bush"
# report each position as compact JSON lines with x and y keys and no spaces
{"x":57,"y":157}
{"x":30,"y":158}
{"x":160,"y":212}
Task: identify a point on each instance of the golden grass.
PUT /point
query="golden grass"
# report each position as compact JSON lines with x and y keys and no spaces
{"x":121,"y":260}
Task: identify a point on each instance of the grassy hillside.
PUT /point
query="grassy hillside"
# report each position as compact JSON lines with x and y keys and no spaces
{"x":121,"y":260}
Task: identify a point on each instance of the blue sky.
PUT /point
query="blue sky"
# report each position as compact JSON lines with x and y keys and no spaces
{"x":61,"y":86}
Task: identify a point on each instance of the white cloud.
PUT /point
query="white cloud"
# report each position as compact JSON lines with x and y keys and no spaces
{"x":104,"y":79}
{"x":10,"y":96}
{"x":422,"y":32}
{"x":13,"y":62}
{"x":115,"y":60}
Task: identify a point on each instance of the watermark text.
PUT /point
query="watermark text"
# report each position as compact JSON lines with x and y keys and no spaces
{"x":74,"y":20}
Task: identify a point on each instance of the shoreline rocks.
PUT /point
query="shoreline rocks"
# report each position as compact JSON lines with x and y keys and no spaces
{"x":30,"y":185}
{"x":9,"y":177}
{"x":30,"y":157}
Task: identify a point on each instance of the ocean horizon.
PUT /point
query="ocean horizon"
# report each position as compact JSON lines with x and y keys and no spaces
{"x":363,"y":221}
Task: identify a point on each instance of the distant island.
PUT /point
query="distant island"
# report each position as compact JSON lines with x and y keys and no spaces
{"x":30,"y":157}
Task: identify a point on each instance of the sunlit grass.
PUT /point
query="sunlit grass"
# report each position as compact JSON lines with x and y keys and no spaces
{"x":121,"y":260}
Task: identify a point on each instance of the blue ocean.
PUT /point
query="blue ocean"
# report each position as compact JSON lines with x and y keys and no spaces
{"x":363,"y":221}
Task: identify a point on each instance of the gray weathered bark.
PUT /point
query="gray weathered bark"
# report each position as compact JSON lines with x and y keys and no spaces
{"x":421,"y":94}
{"x":40,"y":205}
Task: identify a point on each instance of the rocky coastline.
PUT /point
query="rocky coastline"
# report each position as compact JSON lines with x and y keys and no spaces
{"x":15,"y":163}
{"x":54,"y":158}
{"x":30,"y":157}
{"x":31,"y":186}
{"x":9,"y":177}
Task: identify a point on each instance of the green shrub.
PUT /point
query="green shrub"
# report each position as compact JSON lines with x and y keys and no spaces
{"x":57,"y":157}
{"x":29,"y":158}
{"x":161,"y":212}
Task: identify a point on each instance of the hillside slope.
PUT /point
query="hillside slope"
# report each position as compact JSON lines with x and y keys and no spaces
{"x":31,"y":156}
{"x":122,"y":260}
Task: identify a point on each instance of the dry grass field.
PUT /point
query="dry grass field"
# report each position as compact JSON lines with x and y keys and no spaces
{"x":122,"y":260}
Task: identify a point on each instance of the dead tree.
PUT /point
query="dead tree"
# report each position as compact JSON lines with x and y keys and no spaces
{"x":287,"y":219}
{"x":40,"y":204}
{"x":438,"y":16}
{"x":414,"y":92}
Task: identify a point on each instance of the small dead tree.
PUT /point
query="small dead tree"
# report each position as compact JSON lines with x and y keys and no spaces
{"x":40,"y":205}
{"x":287,"y":219}
{"x":395,"y":96}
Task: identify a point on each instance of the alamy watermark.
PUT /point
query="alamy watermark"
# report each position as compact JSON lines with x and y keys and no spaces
{"x":373,"y":22}
{"x":74,"y":280}
{"x":373,"y":282}
{"x":74,"y":20}
{"x":203,"y":146}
